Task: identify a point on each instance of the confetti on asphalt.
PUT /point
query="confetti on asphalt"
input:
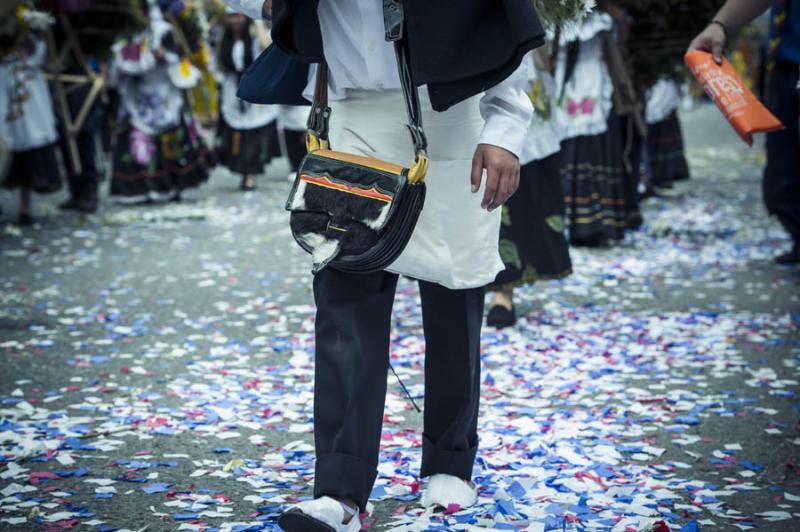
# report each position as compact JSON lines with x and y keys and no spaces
{"x":160,"y":375}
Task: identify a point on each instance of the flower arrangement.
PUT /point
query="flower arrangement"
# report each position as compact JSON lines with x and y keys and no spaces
{"x":14,"y":29}
{"x":659,"y":33}
{"x":556,"y":13}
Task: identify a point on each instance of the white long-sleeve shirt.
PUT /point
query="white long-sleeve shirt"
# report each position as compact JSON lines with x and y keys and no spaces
{"x":359,"y":57}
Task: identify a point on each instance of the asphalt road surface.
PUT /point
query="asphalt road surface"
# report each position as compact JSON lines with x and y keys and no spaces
{"x":157,"y":362}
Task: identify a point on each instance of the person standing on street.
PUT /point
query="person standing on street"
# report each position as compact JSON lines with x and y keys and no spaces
{"x":476,"y":113}
{"x":243,"y":132}
{"x":781,"y":184}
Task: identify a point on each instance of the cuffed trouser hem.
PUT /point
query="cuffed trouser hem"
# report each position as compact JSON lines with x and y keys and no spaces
{"x":343,"y":475}
{"x":437,"y":461}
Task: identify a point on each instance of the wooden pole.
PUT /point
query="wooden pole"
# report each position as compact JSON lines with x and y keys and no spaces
{"x":59,"y":79}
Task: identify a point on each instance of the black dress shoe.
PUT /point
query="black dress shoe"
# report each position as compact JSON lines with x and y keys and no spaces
{"x":69,"y":205}
{"x":790,"y":257}
{"x":87,"y":206}
{"x":501,"y":317}
{"x":633,"y":220}
{"x":25,"y":219}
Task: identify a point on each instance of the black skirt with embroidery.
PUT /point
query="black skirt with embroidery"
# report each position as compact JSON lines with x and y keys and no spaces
{"x":533,"y":245}
{"x":665,"y":147}
{"x":158,"y":166}
{"x":593,"y":177}
{"x":37,"y":169}
{"x":245,"y":151}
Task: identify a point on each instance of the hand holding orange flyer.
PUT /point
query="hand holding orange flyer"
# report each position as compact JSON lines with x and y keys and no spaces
{"x":723,"y":85}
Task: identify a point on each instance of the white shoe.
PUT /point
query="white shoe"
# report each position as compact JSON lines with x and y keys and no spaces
{"x":445,"y":490}
{"x":320,"y":515}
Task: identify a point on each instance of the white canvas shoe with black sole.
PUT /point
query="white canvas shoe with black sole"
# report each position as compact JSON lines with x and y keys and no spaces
{"x":446,"y":490}
{"x":320,"y":515}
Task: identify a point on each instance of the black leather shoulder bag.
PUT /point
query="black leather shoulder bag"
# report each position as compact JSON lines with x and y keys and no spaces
{"x":354,"y":213}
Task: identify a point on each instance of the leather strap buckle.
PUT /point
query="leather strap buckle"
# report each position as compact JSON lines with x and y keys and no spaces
{"x":393,"y":19}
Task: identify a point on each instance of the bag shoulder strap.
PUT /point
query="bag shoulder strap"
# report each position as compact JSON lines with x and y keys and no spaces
{"x":319,"y":117}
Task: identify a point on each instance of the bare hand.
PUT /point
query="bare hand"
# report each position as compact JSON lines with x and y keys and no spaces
{"x":502,"y":174}
{"x":712,"y":39}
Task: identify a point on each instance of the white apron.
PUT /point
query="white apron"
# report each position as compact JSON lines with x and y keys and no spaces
{"x":455,"y":243}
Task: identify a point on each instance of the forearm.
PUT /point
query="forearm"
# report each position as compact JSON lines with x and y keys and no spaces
{"x":737,"y":13}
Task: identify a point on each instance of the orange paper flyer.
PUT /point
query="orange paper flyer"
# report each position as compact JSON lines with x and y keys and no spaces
{"x":745,"y":113}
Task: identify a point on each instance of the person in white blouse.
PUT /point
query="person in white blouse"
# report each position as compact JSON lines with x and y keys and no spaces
{"x":473,"y":147}
{"x":244,"y":134}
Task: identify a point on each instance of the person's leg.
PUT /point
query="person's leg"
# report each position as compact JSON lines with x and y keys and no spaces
{"x":502,"y":312}
{"x":503,"y":297}
{"x":85,"y":191}
{"x":452,"y":321}
{"x":295,"y":147}
{"x":25,"y":208}
{"x":352,"y":359}
{"x":248,"y":183}
{"x":781,"y":185}
{"x":632,"y":176}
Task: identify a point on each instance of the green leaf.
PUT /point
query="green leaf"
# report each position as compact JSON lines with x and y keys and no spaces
{"x":556,"y":223}
{"x":506,"y":216}
{"x":510,"y":254}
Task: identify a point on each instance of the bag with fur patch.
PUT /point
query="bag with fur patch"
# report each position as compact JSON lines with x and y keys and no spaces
{"x":356,"y":213}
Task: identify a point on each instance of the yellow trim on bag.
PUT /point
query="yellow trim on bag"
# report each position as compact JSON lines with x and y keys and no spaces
{"x":368,"y":162}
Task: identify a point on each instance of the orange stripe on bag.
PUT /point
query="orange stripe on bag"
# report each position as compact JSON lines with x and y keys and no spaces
{"x":371,"y":193}
{"x":723,"y":85}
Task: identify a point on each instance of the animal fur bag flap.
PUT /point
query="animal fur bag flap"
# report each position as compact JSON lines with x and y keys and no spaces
{"x":353,"y":212}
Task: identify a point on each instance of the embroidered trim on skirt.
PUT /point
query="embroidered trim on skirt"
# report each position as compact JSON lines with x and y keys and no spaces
{"x":244,"y":151}
{"x":592,"y":174}
{"x":158,"y":166}
{"x":37,"y":169}
{"x":665,"y":147}
{"x":533,"y":245}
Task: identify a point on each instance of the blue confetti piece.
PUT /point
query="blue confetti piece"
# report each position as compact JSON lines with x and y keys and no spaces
{"x":751,"y":466}
{"x":156,"y":488}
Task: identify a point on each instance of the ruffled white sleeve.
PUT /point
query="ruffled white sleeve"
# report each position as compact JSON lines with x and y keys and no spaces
{"x":133,"y":58}
{"x":507,"y":111}
{"x":251,"y":8}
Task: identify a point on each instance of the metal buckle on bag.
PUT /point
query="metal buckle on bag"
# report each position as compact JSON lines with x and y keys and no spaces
{"x":318,"y":121}
{"x":393,"y":19}
{"x":418,"y":170}
{"x":418,"y":137}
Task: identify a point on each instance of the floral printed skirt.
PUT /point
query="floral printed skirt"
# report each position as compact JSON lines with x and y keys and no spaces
{"x":592,"y":174}
{"x":157,"y":167}
{"x":533,"y":245}
{"x":245,"y":151}
{"x":665,"y":147}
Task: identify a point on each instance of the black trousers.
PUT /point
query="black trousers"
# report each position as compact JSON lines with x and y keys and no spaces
{"x":352,"y":360}
{"x":632,"y":164}
{"x":295,"y":147}
{"x":83,"y":186}
{"x":781,"y":185}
